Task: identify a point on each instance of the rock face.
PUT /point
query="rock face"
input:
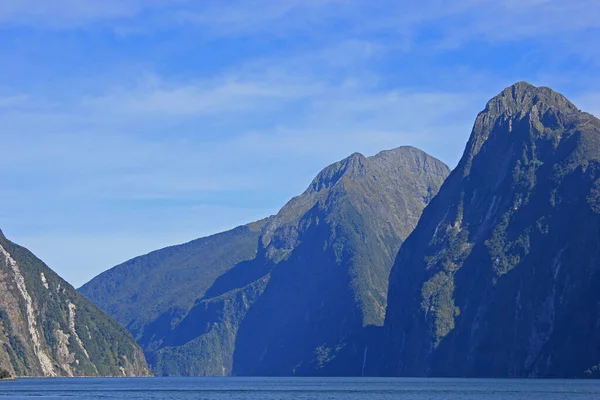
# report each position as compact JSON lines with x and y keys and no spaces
{"x":313,"y":280}
{"x":4,"y":374}
{"x":327,"y":256}
{"x":48,"y":329}
{"x":500,"y":278}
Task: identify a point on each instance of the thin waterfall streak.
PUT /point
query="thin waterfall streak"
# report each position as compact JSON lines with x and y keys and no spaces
{"x":364,"y":361}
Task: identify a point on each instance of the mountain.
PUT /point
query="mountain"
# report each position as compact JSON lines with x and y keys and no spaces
{"x":326,"y":257}
{"x":500,"y":278}
{"x":48,"y":329}
{"x":301,"y":299}
{"x":151,"y":294}
{"x":140,"y":291}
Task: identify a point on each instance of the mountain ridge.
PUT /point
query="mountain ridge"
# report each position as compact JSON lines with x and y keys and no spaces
{"x":348,"y":202}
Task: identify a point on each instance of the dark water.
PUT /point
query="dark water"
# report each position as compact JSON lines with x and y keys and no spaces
{"x":297,"y":388}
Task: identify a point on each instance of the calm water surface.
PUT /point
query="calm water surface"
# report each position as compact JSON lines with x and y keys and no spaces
{"x":297,"y":388}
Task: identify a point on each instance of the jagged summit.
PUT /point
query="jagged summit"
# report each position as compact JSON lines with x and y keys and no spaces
{"x":521,"y":97}
{"x":401,"y":167}
{"x":515,"y":110}
{"x":400,"y":151}
{"x":355,"y":165}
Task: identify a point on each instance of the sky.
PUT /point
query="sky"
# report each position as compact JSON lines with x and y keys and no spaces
{"x":130,"y":125}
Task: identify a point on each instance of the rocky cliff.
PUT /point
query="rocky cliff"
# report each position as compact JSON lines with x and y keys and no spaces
{"x":500,"y":278}
{"x":48,"y":329}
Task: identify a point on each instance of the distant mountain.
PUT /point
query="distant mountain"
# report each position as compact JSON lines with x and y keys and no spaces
{"x":151,"y":294}
{"x":296,"y":293}
{"x":140,"y":291}
{"x":48,"y":329}
{"x":501,"y":277}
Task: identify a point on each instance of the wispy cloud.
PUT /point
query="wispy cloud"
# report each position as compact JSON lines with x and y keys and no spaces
{"x":234,"y":18}
{"x":177,"y":158}
{"x":511,"y":20}
{"x":14,"y":100}
{"x":462,"y":20}
{"x":74,"y":14}
{"x":155,"y":97}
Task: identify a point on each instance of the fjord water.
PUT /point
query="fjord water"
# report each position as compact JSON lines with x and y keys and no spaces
{"x":298,"y":388}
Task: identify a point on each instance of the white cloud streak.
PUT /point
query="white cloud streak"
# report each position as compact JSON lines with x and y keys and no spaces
{"x":458,"y":21}
{"x":12,"y":101}
{"x":70,"y":14}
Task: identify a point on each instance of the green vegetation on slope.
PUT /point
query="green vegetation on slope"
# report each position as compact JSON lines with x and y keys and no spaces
{"x":164,"y":284}
{"x":306,"y":284}
{"x":152,"y":294}
{"x":71,"y":336}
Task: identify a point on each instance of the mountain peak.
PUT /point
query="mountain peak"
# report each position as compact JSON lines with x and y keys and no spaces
{"x":402,"y":167}
{"x":398,"y":155}
{"x":399,"y":152}
{"x":520,"y":105}
{"x":521,"y":97}
{"x":356,"y":164}
{"x":353,"y":164}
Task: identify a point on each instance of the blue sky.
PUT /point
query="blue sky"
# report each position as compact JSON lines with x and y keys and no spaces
{"x":129,"y":125}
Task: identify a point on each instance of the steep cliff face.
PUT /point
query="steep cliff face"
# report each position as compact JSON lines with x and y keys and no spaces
{"x":48,"y":329}
{"x":327,"y":256}
{"x":297,"y":300}
{"x":501,"y":275}
{"x":204,"y":341}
